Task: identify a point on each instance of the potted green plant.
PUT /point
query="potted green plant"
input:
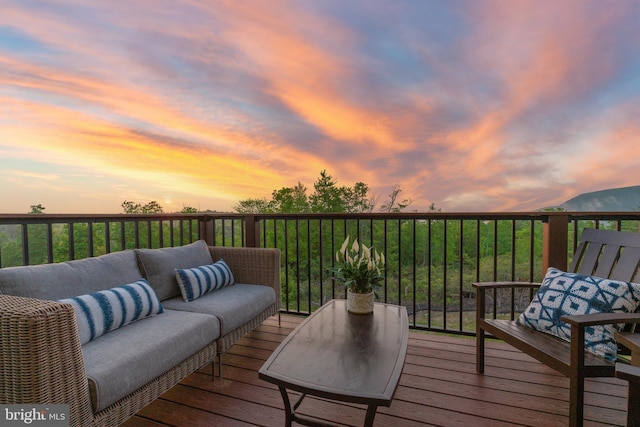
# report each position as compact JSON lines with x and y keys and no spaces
{"x":361,"y":269}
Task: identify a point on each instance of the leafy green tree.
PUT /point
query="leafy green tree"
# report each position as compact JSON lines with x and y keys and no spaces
{"x":394,"y":205}
{"x":327,"y":197}
{"x":10,"y":246}
{"x":152,"y":207}
{"x":358,"y":199}
{"x":252,"y":206}
{"x":188,"y":210}
{"x":290,"y":200}
{"x":37,"y":209}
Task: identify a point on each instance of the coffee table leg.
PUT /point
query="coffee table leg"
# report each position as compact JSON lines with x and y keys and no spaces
{"x":287,"y":407}
{"x":290,"y":415}
{"x":371,"y":414}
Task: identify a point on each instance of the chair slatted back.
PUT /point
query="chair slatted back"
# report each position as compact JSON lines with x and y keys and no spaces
{"x":608,"y":254}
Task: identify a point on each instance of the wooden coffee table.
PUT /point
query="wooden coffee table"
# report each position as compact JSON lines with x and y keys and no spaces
{"x":341,"y":356}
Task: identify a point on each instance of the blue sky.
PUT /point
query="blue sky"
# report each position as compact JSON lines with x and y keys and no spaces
{"x":485,"y":105}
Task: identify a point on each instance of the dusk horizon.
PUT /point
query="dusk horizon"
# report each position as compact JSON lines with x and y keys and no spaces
{"x":485,"y":106}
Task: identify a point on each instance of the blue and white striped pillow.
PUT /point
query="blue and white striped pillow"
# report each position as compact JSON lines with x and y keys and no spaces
{"x":195,"y":282}
{"x":100,"y":312}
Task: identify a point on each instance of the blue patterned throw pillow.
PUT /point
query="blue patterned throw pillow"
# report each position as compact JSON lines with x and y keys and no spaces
{"x":572,"y":293}
{"x":100,"y":312}
{"x":195,"y":282}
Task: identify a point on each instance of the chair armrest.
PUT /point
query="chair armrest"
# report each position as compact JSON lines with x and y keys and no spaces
{"x":584,"y":320}
{"x":254,"y":266}
{"x":580,"y":322}
{"x":41,"y":357}
{"x":631,"y":341}
{"x":628,"y":372}
{"x":501,"y":285}
{"x":483,"y":287}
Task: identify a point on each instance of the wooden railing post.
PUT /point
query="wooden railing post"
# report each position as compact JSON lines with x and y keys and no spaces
{"x":252,"y":230}
{"x":205,"y":230}
{"x":555,"y":242}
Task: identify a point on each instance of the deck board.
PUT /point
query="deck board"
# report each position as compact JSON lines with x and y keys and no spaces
{"x":438,"y":387}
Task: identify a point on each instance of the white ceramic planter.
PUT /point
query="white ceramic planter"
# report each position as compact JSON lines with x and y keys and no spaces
{"x":359,"y":303}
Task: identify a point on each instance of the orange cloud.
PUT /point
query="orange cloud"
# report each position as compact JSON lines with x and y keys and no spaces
{"x":307,"y":77}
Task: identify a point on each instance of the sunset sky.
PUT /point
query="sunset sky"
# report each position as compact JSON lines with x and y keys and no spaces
{"x":476,"y":105}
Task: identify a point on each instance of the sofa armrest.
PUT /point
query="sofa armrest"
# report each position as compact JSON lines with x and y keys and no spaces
{"x":253,"y":266}
{"x":41,"y":357}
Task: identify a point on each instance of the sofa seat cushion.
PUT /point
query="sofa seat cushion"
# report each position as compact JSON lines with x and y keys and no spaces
{"x":233,"y":306}
{"x":126,"y":359}
{"x":72,"y":278}
{"x":159,"y":265}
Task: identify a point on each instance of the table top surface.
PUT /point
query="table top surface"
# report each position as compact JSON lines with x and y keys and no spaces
{"x":342,"y":356}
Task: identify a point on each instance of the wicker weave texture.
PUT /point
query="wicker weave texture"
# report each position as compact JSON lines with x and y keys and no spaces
{"x":259,"y":266}
{"x":40,"y":356}
{"x":41,"y":363}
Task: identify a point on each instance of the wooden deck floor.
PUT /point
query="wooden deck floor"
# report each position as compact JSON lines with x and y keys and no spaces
{"x":438,"y":387}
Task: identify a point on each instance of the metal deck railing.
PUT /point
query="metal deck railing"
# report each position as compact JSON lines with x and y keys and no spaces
{"x":432,"y":258}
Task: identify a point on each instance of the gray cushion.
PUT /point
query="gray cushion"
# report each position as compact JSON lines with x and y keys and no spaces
{"x":233,"y":306}
{"x":124,"y":360}
{"x":68,"y":279}
{"x":159,"y":265}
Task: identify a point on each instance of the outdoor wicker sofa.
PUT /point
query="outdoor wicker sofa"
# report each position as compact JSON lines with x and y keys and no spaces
{"x":43,"y":356}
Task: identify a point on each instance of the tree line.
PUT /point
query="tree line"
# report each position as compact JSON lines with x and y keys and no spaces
{"x":327,"y":196}
{"x":430,"y":261}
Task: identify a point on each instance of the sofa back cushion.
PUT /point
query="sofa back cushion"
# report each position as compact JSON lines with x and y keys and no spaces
{"x":159,"y":265}
{"x":72,"y":278}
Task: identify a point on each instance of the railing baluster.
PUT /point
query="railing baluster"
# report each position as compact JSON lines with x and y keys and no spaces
{"x":90,"y":239}
{"x":321,"y":261}
{"x":72,"y":242}
{"x":107,"y":236}
{"x":297,"y":229}
{"x":49,"y":242}
{"x":461,"y":277}
{"x":123,"y":236}
{"x":309,"y":307}
{"x":430,"y":271}
{"x":25,"y":244}
{"x":386,"y":251}
{"x":414,"y":285}
{"x":445,"y":272}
